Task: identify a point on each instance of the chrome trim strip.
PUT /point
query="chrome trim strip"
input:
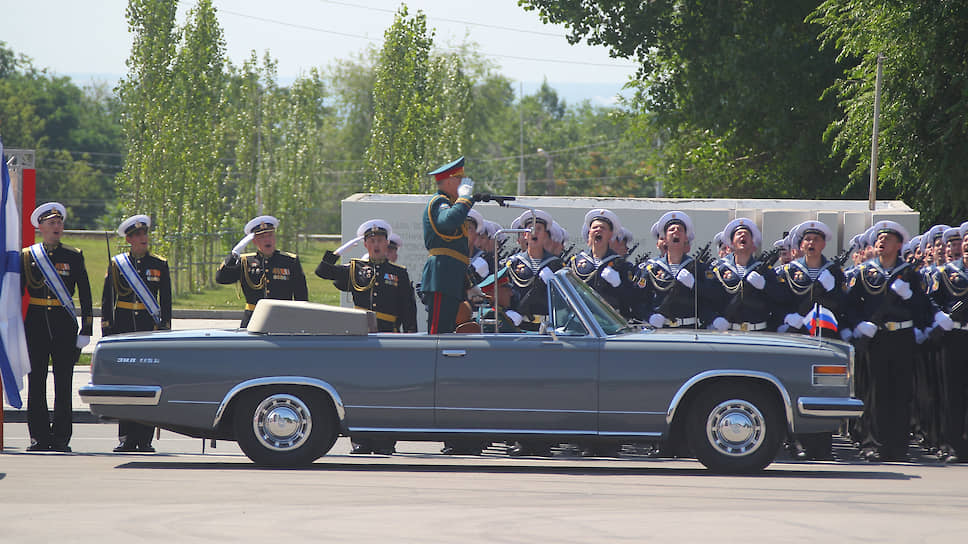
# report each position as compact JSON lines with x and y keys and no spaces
{"x":526,"y":410}
{"x":623,"y":412}
{"x":614,"y":433}
{"x":282,"y":380}
{"x":463,"y":431}
{"x":830,"y":406}
{"x":133,"y":395}
{"x":728,"y":373}
{"x":390,"y":407}
{"x":192,"y":402}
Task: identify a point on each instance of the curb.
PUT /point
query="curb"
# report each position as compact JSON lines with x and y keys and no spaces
{"x":20,"y":416}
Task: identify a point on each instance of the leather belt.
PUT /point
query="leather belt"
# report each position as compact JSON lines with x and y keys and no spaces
{"x":747,"y":326}
{"x":680,"y":322}
{"x":250,"y":307}
{"x":443,"y":251}
{"x":379,"y":315}
{"x":130,"y":305}
{"x":44,"y":301}
{"x":897,"y":325}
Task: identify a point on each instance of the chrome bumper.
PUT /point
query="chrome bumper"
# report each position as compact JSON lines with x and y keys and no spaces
{"x":138,"y":395}
{"x":830,"y":407}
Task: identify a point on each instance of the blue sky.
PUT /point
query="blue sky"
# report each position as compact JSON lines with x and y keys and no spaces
{"x":88,"y":40}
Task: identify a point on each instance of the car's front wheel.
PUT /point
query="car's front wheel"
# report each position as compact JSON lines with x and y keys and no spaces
{"x":735,"y":428}
{"x":284,"y":428}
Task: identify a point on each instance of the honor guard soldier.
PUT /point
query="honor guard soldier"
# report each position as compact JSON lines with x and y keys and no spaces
{"x":136,"y":297}
{"x":52,"y":272}
{"x":444,"y":281}
{"x":667,"y":283}
{"x":394,"y":243}
{"x":531,"y":270}
{"x":375,"y":283}
{"x":739,"y":290}
{"x":886,"y":302}
{"x":267,"y":273}
{"x":599,"y":266}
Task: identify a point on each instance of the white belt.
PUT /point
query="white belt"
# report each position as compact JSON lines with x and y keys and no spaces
{"x":747,"y":326}
{"x":960,"y":326}
{"x":680,"y":322}
{"x":897,"y":325}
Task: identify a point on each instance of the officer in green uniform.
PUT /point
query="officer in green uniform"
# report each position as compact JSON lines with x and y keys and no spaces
{"x":444,"y":280}
{"x":502,"y":294}
{"x":136,"y":297}
{"x":267,"y":273}
{"x":52,"y":271}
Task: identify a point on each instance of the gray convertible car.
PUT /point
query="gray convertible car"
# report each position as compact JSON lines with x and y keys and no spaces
{"x":302,"y":374}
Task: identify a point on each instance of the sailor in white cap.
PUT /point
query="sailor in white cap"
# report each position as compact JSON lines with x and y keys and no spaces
{"x":604,"y":270}
{"x":480,"y":266}
{"x":530,"y":270}
{"x":266,"y":273}
{"x":722,"y":249}
{"x":886,"y":303}
{"x":394,"y":243}
{"x":136,"y":297}
{"x":620,"y":242}
{"x":52,"y":272}
{"x":742,"y":291}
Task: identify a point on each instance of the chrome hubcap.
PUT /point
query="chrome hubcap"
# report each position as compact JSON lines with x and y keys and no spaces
{"x":282,"y":422}
{"x":735,"y":428}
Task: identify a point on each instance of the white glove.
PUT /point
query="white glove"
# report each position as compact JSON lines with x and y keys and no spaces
{"x":944,"y":321}
{"x":611,"y":276}
{"x":657,"y":320}
{"x":347,"y":245}
{"x":82,"y":341}
{"x":827,"y":280}
{"x":756,"y":280}
{"x":546,"y":274}
{"x":480,"y":266}
{"x":902,"y":288}
{"x":719,"y":324}
{"x":515,"y":317}
{"x":865,"y":328}
{"x":794,"y":320}
{"x":686,"y":278}
{"x":466,"y":188}
{"x":846,"y":334}
{"x":919,"y":335}
{"x":237,"y":250}
{"x":475,"y":294}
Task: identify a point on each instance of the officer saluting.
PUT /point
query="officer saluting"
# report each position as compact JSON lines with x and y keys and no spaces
{"x":52,"y":271}
{"x":444,"y":280}
{"x":267,"y":273}
{"x":375,"y":283}
{"x":136,"y":297}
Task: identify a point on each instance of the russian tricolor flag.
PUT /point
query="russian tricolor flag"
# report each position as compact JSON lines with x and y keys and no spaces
{"x":820,"y":317}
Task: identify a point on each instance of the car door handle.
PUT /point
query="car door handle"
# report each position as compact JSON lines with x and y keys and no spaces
{"x":453,"y":353}
{"x":551,"y":344}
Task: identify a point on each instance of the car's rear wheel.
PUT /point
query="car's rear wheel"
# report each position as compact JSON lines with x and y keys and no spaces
{"x":735,"y":428}
{"x":284,"y":427}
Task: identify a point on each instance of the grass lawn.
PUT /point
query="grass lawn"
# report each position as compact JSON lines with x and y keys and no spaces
{"x":217,"y":297}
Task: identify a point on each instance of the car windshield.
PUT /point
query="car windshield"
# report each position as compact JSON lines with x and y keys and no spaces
{"x":608,"y":319}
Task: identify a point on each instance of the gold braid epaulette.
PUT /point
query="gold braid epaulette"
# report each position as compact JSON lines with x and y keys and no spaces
{"x":245,"y":274}
{"x":357,"y":287}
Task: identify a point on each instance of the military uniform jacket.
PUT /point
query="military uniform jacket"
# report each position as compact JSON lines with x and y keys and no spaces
{"x":530,"y":293}
{"x":726,"y":293}
{"x":870,"y":298}
{"x":657,"y":290}
{"x":472,"y":274}
{"x":584,"y":267}
{"x":949,"y":287}
{"x":279,"y":276}
{"x":381,"y":287}
{"x":122,"y":310}
{"x":69,"y":264}
{"x":801,"y":293}
{"x":446,"y":240}
{"x":506,"y":325}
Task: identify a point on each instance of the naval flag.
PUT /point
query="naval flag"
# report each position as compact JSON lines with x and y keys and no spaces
{"x":14,"y":364}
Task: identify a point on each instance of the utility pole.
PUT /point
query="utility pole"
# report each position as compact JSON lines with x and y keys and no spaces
{"x":549,"y":170}
{"x":521,"y":185}
{"x":877,"y":112}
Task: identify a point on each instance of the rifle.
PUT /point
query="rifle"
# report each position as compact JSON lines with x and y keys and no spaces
{"x":766,"y":260}
{"x":642,"y":258}
{"x":566,"y":253}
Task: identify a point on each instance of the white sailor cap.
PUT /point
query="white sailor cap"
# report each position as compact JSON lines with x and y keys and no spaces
{"x":810,"y":227}
{"x":963,"y":229}
{"x":540,"y":216}
{"x":949,"y":233}
{"x":374,"y":227}
{"x":741,"y":223}
{"x":623,"y":235}
{"x":46,"y":211}
{"x":670,"y":218}
{"x":134,"y":223}
{"x":782,"y":243}
{"x":718,"y":239}
{"x":930,"y":235}
{"x":865,"y":238}
{"x":263,"y":223}
{"x":395,"y":240}
{"x":558,"y":233}
{"x":601,"y":214}
{"x":516,"y":223}
{"x":915,"y":242}
{"x":889,"y":226}
{"x":478,"y":220}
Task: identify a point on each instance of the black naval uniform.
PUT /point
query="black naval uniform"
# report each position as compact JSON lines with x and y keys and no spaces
{"x":658,"y":291}
{"x":122,"y":311}
{"x":949,"y":290}
{"x":727,"y":293}
{"x":51,"y":334}
{"x":382,"y":287}
{"x":589,"y":270}
{"x":529,"y":292}
{"x":888,"y":357}
{"x":278,"y":277}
